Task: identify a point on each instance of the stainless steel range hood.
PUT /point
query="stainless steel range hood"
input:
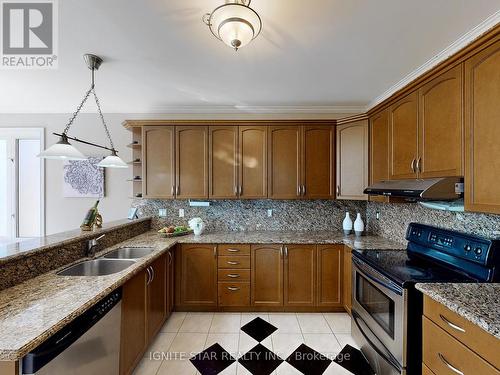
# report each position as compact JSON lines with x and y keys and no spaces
{"x":445,"y":188}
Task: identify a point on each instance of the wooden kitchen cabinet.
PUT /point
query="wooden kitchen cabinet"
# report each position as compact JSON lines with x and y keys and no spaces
{"x":170,"y":281}
{"x":379,"y":150}
{"x":482,"y":129}
{"x":133,"y":340}
{"x":347,"y":279}
{"x":157,"y":296}
{"x":198,"y":275}
{"x":299,"y":275}
{"x":223,"y":162}
{"x":403,"y":138}
{"x":440,"y":139}
{"x":158,"y":162}
{"x":329,"y":275}
{"x":352,"y":160}
{"x":318,"y":162}
{"x":252,"y":160}
{"x":191,"y":149}
{"x":284,"y":162}
{"x":267,"y":275}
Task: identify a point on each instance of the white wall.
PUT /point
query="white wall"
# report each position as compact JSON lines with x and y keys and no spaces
{"x":67,"y":213}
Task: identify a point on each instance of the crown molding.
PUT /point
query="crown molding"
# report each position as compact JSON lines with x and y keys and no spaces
{"x":453,"y":48}
{"x":259,"y":109}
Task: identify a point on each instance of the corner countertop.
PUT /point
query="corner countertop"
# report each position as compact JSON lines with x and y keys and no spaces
{"x":33,"y":311}
{"x":477,"y":302}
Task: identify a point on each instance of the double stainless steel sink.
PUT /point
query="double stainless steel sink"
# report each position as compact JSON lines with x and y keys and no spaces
{"x":112,"y":262}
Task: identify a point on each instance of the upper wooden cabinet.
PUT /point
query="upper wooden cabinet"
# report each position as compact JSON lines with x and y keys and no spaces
{"x":403,"y":138}
{"x":440,"y":136}
{"x":191,"y":161}
{"x":299,"y":275}
{"x":352,"y":160}
{"x":379,"y":150}
{"x":482,"y":126}
{"x":285,"y":162}
{"x":252,"y":160}
{"x":158,"y":161}
{"x":318,"y":166}
{"x":223,"y":162}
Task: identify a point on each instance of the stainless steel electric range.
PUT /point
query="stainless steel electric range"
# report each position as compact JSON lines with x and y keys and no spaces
{"x":386,"y":307}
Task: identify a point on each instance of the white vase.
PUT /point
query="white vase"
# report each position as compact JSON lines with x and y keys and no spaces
{"x":347,"y":224}
{"x":359,"y":226}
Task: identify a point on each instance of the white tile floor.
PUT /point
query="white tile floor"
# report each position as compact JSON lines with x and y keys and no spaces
{"x":185,"y":334}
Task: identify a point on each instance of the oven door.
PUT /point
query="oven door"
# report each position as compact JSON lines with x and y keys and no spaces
{"x":379,"y":312}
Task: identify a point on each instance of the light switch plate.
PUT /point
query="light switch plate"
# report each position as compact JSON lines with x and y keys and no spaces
{"x":162,"y":212}
{"x":270,"y":213}
{"x":181,"y":212}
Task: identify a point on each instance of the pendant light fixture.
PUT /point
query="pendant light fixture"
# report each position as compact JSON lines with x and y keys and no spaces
{"x":63,"y":150}
{"x":234,"y":23}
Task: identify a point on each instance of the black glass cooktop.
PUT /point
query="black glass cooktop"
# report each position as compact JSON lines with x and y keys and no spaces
{"x":399,"y":267}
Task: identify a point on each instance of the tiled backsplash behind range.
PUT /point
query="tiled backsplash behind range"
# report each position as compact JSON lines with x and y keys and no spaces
{"x":251,"y":215}
{"x":395,"y":217}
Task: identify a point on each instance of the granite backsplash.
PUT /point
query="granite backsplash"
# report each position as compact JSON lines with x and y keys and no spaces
{"x":251,"y":215}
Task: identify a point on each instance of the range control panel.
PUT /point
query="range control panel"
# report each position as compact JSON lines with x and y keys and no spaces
{"x":458,"y":244}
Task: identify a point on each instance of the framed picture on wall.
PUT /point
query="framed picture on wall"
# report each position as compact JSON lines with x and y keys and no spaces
{"x":83,"y":178}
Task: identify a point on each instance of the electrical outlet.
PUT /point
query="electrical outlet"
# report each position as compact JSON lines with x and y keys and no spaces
{"x":270,"y":213}
{"x":162,"y":212}
{"x":377,"y":215}
{"x":181,"y":212}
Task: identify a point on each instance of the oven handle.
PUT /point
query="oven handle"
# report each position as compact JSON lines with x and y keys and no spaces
{"x":377,"y":278}
{"x":388,"y":357}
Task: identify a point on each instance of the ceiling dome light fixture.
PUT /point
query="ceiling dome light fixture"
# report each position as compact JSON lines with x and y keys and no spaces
{"x":234,"y":23}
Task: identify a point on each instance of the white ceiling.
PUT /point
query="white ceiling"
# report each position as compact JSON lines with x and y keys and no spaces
{"x":324,"y":55}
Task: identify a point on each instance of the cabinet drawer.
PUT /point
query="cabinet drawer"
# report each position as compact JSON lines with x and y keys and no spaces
{"x":472,"y":336}
{"x":234,"y":249}
{"x":233,"y":262}
{"x":234,"y":294}
{"x":233,"y":275}
{"x":444,"y":354}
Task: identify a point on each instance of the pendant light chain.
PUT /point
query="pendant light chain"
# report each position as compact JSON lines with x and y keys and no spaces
{"x":72,"y":119}
{"x":102,"y":119}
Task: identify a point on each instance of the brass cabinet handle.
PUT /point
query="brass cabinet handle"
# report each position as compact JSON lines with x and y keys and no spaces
{"x":298,"y":191}
{"x":303,"y":189}
{"x":215,"y":251}
{"x":233,"y":288}
{"x":412,"y":165}
{"x":419,"y":162}
{"x":150,"y":276}
{"x":338,"y":190}
{"x":232,"y":262}
{"x":233,"y":250}
{"x":281,"y":251}
{"x":286,"y":252}
{"x":172,"y":191}
{"x":240,"y":190}
{"x":233,"y":275}
{"x":452,"y":325}
{"x":169,"y":258}
{"x":449,"y":365}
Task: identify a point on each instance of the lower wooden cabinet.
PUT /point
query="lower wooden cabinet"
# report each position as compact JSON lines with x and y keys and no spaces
{"x":299,"y":275}
{"x":170,"y":281}
{"x":157,"y":296}
{"x":329,"y":260}
{"x":267,"y":275}
{"x":347,"y":279}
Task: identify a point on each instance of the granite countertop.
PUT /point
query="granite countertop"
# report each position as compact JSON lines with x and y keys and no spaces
{"x":476,"y":302}
{"x":33,"y":311}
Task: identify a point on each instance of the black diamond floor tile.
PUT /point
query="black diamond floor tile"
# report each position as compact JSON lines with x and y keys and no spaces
{"x":260,"y":360}
{"x":308,"y":361}
{"x":212,"y":360}
{"x":354,"y":361}
{"x":258,"y":329}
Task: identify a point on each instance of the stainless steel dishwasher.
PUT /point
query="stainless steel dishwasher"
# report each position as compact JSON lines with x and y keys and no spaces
{"x":90,"y":345}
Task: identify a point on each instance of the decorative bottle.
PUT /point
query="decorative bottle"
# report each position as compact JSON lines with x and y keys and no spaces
{"x":347,"y":224}
{"x":359,"y":226}
{"x":89,"y":219}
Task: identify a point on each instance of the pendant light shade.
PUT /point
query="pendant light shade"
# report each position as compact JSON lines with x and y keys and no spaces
{"x":234,"y":23}
{"x":112,"y":161}
{"x":62,"y":150}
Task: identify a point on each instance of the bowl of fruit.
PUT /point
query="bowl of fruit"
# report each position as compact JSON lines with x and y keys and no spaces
{"x":174,"y":231}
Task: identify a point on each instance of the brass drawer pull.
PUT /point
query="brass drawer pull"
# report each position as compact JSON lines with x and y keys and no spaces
{"x":452,"y":368}
{"x":233,"y":288}
{"x":233,"y":275}
{"x":454,"y":326}
{"x":232,"y":262}
{"x":233,"y":250}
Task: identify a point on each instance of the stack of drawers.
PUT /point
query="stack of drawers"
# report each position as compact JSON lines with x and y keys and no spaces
{"x":233,"y":274}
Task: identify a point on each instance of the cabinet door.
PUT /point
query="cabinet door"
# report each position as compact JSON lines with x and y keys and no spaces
{"x":157,"y":296}
{"x":252,"y":162}
{"x":170,"y":281}
{"x":318,"y":162}
{"x":299,"y":275}
{"x":267,"y":275}
{"x":133,"y":325}
{"x":379,"y":150}
{"x":191,"y":162}
{"x":482,"y":126}
{"x":403,"y":131}
{"x":441,"y":126}
{"x":284,"y":162}
{"x":199,"y":275}
{"x":352,"y":160}
{"x":347,"y":282}
{"x":158,"y":161}
{"x":329,"y":284}
{"x":223,"y":164}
